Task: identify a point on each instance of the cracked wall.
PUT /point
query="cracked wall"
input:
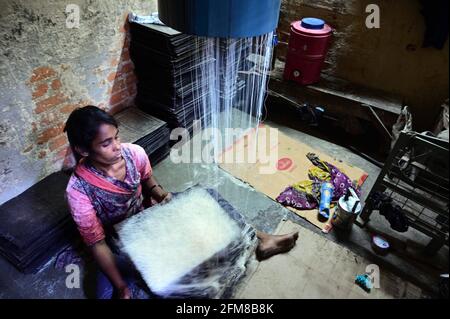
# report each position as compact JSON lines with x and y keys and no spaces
{"x":48,"y":69}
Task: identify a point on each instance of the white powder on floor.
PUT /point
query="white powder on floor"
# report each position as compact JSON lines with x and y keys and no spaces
{"x":167,"y":242}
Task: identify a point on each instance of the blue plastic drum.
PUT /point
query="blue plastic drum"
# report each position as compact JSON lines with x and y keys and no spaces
{"x":218,"y":18}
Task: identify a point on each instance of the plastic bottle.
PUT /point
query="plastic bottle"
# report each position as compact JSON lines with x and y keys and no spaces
{"x":326,"y":194}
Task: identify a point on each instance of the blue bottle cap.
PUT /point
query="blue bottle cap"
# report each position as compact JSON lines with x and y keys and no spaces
{"x":313,"y":23}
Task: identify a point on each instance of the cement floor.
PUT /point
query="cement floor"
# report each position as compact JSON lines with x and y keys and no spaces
{"x":258,"y":209}
{"x":318,"y":268}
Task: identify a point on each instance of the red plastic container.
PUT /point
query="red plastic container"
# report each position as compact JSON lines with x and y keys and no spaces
{"x":308,"y":46}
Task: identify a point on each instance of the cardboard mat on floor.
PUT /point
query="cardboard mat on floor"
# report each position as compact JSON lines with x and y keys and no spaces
{"x":272,"y":176}
{"x":317,"y":268}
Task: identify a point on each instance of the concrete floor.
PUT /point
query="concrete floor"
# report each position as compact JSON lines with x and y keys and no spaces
{"x":258,"y":209}
{"x":318,"y":268}
{"x":420,"y":269}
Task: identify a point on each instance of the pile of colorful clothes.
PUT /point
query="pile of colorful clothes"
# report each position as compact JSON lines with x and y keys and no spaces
{"x":305,"y":195}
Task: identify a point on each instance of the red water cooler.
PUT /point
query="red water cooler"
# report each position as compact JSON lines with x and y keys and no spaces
{"x":308,"y":46}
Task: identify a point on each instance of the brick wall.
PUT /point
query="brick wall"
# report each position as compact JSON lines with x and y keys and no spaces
{"x":47,"y":70}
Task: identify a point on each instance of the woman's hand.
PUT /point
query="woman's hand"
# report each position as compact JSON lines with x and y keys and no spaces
{"x":154,"y":190}
{"x":166,"y":198}
{"x":125,"y":293}
{"x":106,"y":260}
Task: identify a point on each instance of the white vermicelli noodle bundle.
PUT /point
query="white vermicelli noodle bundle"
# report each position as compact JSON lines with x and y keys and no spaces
{"x":190,"y":247}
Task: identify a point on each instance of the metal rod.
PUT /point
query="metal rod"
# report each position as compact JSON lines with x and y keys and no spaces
{"x":379,"y":120}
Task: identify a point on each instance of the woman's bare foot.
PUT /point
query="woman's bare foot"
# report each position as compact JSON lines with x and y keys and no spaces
{"x":271,"y":245}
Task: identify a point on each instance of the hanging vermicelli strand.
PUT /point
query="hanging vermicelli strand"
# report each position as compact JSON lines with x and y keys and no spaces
{"x":233,"y":76}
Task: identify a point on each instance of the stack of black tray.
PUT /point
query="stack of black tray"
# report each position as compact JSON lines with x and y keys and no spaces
{"x":145,"y":130}
{"x":172,"y":72}
{"x":37,"y":224}
{"x":167,"y":70}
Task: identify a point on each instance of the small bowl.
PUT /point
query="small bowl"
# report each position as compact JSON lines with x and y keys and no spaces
{"x":380,"y":245}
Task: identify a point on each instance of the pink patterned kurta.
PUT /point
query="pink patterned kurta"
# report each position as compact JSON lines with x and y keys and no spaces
{"x":94,"y":209}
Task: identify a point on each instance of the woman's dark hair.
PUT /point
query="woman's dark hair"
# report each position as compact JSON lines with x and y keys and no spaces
{"x":83,"y":125}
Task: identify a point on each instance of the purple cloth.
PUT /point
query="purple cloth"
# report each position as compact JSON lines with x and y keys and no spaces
{"x":304,"y":201}
{"x":137,"y":286}
{"x":299,"y":200}
{"x":71,"y":256}
{"x":341,"y":182}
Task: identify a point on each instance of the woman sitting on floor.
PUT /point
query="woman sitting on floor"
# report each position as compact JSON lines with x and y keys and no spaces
{"x":111,"y":182}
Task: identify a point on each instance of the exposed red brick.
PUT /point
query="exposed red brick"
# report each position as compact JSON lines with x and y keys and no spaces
{"x":61,"y":154}
{"x":114,"y":62}
{"x":42,"y":73}
{"x":59,"y":158}
{"x":125,"y":27}
{"x":69,"y":162}
{"x":69,"y":151}
{"x":71,"y":107}
{"x":118,"y":107}
{"x":40,"y":91}
{"x":132,"y":90}
{"x":117,"y":46}
{"x":68,"y":108}
{"x":127,"y":68}
{"x":56,"y":84}
{"x":46,"y":104}
{"x":48,"y":119}
{"x":130,"y":101}
{"x":50,"y":133}
{"x":119,"y":85}
{"x":131,"y":79}
{"x":126,"y":43}
{"x":112,"y":76}
{"x":125,"y":55}
{"x":118,"y":97}
{"x":58,"y":142}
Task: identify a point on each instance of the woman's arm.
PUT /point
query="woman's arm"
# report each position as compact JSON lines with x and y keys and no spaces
{"x":153,"y":189}
{"x":150,"y":187}
{"x":91,"y":230}
{"x":105,"y":259}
